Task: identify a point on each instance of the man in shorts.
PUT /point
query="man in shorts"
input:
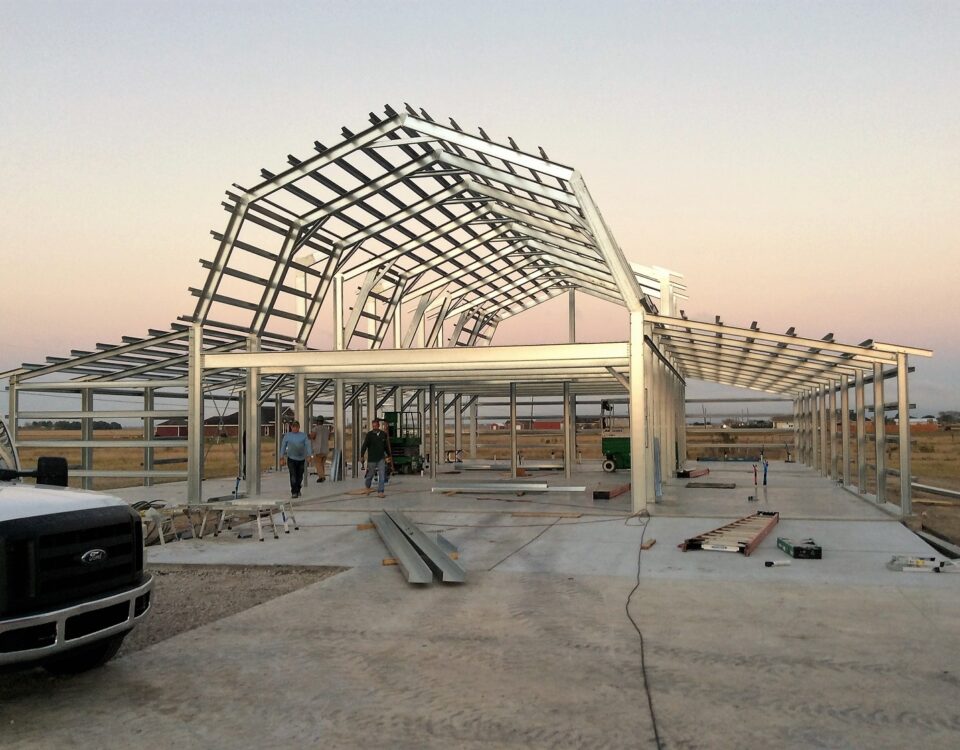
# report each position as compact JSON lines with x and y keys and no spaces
{"x":320,"y":440}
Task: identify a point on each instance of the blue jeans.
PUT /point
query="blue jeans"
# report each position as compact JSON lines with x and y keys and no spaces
{"x":381,"y":468}
{"x":296,"y":474}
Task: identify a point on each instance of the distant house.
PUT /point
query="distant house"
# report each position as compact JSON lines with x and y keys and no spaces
{"x":225,"y":426}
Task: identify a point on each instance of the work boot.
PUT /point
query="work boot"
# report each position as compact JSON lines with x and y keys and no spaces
{"x":380,"y":494}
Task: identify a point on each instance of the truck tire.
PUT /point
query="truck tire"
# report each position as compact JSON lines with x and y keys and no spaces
{"x":86,"y":657}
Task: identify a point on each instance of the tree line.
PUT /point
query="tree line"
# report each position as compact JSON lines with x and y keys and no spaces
{"x":64,"y":424}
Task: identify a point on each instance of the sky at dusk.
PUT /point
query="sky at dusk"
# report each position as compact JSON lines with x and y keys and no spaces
{"x":797,"y":162}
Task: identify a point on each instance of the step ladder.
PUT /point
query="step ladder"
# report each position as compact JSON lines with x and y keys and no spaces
{"x":743,"y":535}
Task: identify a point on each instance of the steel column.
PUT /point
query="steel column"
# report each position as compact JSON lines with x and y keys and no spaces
{"x":824,"y":433}
{"x":513,"y":430}
{"x":148,"y":435}
{"x":903,"y":418}
{"x":13,"y":411}
{"x":195,"y":415}
{"x":880,"y":433}
{"x":571,"y":317}
{"x":682,"y":400}
{"x":252,"y":438}
{"x":441,"y":434}
{"x":300,"y":405}
{"x":86,"y":433}
{"x":357,"y":430}
{"x":457,"y":426}
{"x":371,"y":405}
{"x":422,"y":411}
{"x":639,"y":443}
{"x":474,"y":414}
{"x":568,"y":432}
{"x":832,"y":407}
{"x":339,"y":426}
{"x":432,"y":408}
{"x":815,"y":428}
{"x":277,"y":429}
{"x":845,"y":429}
{"x":859,"y":396}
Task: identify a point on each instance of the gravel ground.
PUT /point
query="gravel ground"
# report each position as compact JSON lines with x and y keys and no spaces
{"x":186,"y":597}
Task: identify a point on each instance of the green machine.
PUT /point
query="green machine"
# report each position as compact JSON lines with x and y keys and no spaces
{"x":614,"y":446}
{"x":406,"y":433}
{"x":616,"y":453}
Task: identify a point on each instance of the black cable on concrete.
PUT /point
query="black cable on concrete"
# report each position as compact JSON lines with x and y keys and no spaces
{"x":525,"y":544}
{"x":643,"y":659}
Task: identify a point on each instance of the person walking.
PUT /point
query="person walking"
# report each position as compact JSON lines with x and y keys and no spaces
{"x":376,"y":446}
{"x":320,"y":443}
{"x":294,"y":451}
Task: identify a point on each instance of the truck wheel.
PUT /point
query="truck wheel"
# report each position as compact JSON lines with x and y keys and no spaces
{"x":86,"y":657}
{"x":609,"y":466}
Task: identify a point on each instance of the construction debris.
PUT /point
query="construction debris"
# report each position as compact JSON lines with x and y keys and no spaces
{"x":913,"y":564}
{"x":711,"y":485}
{"x":414,"y":552}
{"x":648,"y":544}
{"x":608,"y":494}
{"x":691,"y":473}
{"x":742,"y":535}
{"x":406,"y":555}
{"x":505,"y":487}
{"x":802,"y":549}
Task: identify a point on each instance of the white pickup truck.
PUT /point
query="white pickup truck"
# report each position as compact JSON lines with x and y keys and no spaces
{"x":72,"y":581}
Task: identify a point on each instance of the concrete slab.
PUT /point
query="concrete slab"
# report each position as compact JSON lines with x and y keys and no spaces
{"x":794,"y":490}
{"x":528,"y":660}
{"x":535,"y":650}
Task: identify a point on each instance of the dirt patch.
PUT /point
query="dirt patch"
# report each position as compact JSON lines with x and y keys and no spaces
{"x":188,"y":596}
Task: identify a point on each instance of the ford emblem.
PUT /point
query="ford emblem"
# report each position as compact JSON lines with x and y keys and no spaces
{"x":93,"y":556}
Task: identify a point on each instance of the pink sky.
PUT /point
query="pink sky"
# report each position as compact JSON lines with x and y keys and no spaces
{"x":798,"y":163}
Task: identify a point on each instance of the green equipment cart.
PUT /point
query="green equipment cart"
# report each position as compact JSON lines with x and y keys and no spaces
{"x":406,"y":433}
{"x":616,"y":453}
{"x":613,"y":444}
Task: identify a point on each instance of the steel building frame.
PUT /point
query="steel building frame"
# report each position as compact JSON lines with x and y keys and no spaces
{"x":415,"y":240}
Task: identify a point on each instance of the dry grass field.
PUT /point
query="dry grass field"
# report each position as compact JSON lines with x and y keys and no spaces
{"x":936,"y":458}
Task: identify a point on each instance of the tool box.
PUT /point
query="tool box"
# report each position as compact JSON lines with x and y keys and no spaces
{"x":802,"y":549}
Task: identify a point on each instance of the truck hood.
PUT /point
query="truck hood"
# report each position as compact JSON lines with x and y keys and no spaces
{"x":27,"y":500}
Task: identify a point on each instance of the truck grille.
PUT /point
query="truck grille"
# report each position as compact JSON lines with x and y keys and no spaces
{"x":40,"y":558}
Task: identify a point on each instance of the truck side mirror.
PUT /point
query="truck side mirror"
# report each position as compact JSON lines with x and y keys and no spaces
{"x":52,"y":470}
